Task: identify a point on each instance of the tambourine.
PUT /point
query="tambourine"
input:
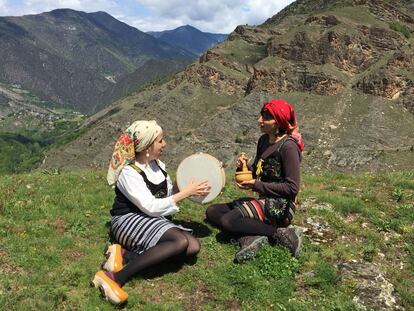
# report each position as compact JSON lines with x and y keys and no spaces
{"x":199,"y":167}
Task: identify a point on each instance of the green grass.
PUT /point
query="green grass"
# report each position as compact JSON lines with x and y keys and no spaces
{"x":358,"y":14}
{"x":402,"y":29}
{"x":23,"y":147}
{"x":242,"y":52}
{"x":53,"y":233}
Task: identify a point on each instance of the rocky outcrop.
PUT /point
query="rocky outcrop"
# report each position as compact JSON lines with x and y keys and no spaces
{"x":385,"y":84}
{"x":383,"y":39}
{"x":208,"y":77}
{"x":293,"y":79}
{"x":402,"y":60}
{"x":372,"y":288}
{"x":405,"y":62}
{"x":348,"y":53}
{"x":390,"y":81}
{"x":214,"y":55}
{"x":301,"y":48}
{"x":327,"y":21}
{"x":387,"y":12}
{"x":251,"y":34}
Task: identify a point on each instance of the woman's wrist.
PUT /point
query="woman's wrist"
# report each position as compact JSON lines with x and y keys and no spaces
{"x":256,"y":185}
{"x":180,"y":195}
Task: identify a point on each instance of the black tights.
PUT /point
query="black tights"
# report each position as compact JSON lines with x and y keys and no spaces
{"x":172,"y":243}
{"x":232,"y":220}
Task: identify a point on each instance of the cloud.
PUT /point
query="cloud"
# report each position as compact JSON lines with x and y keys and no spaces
{"x":211,"y":15}
{"x":39,"y":6}
{"x":220,"y":16}
{"x":3,"y":7}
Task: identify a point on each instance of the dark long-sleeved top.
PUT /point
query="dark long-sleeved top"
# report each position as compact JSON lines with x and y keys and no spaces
{"x":290,"y":157}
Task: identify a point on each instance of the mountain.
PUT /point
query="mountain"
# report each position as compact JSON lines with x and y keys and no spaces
{"x":71,"y":58}
{"x":346,"y":66}
{"x":189,"y":38}
{"x":152,"y":71}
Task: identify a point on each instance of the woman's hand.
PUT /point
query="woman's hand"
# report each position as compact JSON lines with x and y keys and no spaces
{"x":240,"y":160}
{"x":247,"y":184}
{"x":197,"y":189}
{"x":193,"y":188}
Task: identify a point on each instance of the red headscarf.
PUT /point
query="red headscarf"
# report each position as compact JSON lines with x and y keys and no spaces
{"x":285,"y":117}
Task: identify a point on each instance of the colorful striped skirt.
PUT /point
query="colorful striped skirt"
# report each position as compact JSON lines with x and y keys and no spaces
{"x":261,"y":209}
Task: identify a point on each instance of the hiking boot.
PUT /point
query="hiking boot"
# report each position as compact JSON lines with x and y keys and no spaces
{"x":109,"y":288}
{"x":114,"y":263}
{"x":290,"y":238}
{"x":249,"y":246}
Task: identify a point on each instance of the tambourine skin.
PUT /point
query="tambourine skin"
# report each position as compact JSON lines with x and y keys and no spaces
{"x":199,"y":167}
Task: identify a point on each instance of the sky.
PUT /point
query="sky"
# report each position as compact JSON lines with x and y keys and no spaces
{"x":218,"y":16}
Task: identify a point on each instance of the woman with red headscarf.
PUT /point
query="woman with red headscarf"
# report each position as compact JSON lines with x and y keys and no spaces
{"x":276,"y":178}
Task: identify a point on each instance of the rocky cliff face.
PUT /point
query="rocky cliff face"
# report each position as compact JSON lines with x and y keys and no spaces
{"x":346,"y":66}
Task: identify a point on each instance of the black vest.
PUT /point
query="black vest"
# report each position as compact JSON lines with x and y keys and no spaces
{"x":272,"y":170}
{"x":124,"y":206}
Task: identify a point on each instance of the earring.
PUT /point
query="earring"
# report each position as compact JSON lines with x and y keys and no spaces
{"x":147,"y":154}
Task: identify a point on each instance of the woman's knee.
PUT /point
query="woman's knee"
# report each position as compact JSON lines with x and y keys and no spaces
{"x":177,"y":237}
{"x":215,"y":213}
{"x":193,"y":246}
{"x":181,"y":243}
{"x":211,"y":212}
{"x":229,"y":220}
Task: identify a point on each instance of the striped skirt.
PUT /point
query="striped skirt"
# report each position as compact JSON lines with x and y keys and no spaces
{"x":139,"y":232}
{"x":256,"y":209}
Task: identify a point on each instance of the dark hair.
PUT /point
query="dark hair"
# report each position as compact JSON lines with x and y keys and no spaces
{"x":266,"y":115}
{"x":282,"y":131}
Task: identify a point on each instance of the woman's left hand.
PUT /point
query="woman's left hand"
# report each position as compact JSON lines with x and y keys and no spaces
{"x":247,"y":184}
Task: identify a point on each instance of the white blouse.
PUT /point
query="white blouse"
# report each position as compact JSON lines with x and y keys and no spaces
{"x":133,"y":186}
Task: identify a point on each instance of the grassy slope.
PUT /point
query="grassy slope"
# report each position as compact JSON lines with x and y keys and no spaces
{"x":30,"y":127}
{"x":22,"y":148}
{"x":53,"y":233}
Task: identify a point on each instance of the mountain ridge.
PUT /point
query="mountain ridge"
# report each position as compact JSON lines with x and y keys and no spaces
{"x":71,"y":57}
{"x":346,"y":69}
{"x":189,"y":38}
